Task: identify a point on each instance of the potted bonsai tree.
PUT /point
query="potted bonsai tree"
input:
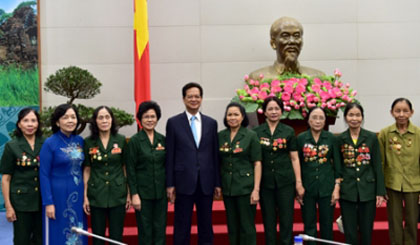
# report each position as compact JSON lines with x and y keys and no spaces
{"x":76,"y":83}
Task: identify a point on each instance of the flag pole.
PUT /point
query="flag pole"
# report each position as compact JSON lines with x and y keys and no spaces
{"x":85,"y":233}
{"x":310,"y":238}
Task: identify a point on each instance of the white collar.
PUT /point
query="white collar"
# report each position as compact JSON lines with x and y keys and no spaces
{"x":197,"y":116}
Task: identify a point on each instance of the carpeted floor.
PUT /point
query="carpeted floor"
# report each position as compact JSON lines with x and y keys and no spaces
{"x":6,"y":230}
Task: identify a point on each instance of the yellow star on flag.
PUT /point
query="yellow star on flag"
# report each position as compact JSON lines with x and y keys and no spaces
{"x":140,"y":25}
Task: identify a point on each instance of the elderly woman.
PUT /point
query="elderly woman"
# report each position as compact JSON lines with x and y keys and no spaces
{"x":105,"y":195}
{"x":400,"y":147}
{"x":320,"y":162}
{"x":145,"y":158}
{"x":280,"y":175}
{"x":20,"y":185}
{"x":61,"y":179}
{"x":362,"y":188}
{"x":240,"y":155}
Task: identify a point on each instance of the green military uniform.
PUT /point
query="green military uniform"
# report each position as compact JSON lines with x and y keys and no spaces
{"x":107,"y":187}
{"x":363,"y":180}
{"x":146,"y":177}
{"x":22,"y":163}
{"x":237,"y":177}
{"x":319,"y":161}
{"x":278,"y":181}
{"x":401,"y":163}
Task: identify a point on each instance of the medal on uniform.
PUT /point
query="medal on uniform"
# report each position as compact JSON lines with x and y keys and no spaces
{"x":225,"y":147}
{"x":237,"y":148}
{"x":160,"y":147}
{"x":265,"y":141}
{"x":116,"y":149}
{"x":279,"y":143}
{"x":409,"y":143}
{"x":395,"y":145}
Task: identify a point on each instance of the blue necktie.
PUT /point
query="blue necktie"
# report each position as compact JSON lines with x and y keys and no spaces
{"x":194,"y":130}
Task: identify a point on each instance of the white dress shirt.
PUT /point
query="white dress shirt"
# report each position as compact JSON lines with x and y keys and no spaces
{"x":198,"y":124}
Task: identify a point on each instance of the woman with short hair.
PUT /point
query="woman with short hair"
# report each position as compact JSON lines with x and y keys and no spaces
{"x":105,"y":196}
{"x":145,"y":158}
{"x":320,"y":162}
{"x":362,"y":187}
{"x":240,"y":165}
{"x":281,"y":177}
{"x":20,"y":180}
{"x":400,"y":149}
{"x":61,"y":179}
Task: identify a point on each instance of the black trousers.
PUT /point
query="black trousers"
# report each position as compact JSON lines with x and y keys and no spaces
{"x":183,"y":212}
{"x":358,"y":218}
{"x":151,"y":221}
{"x":115,"y":217}
{"x":27,"y":229}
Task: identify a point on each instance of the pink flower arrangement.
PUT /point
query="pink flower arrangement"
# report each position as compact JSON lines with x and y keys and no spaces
{"x":299,"y":93}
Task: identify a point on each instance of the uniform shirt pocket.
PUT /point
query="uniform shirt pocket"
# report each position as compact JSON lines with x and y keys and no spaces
{"x":18,"y":189}
{"x":246,"y":173}
{"x":19,"y":196}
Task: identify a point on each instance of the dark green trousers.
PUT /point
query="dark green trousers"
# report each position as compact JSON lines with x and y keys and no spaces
{"x":399,"y":234}
{"x":358,"y":218}
{"x":151,"y":221}
{"x":279,"y":204}
{"x":115,"y":217}
{"x":240,"y":216}
{"x":27,"y":229}
{"x":326,"y":217}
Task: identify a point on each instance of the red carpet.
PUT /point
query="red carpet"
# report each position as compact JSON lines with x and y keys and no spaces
{"x":380,"y":234}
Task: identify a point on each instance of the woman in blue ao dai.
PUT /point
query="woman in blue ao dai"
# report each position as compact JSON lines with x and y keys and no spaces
{"x":61,"y":180}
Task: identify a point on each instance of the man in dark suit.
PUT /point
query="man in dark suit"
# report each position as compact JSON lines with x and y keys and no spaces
{"x":192,"y":167}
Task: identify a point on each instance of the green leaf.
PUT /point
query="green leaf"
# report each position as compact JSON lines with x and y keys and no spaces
{"x":251,"y":107}
{"x":285,"y":114}
{"x":295,"y":114}
{"x":236,"y":99}
{"x":74,"y":83}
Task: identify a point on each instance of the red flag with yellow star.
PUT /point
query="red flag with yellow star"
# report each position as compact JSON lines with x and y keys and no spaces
{"x":141,"y":53}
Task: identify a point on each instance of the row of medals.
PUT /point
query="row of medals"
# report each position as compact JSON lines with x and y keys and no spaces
{"x":225,"y":147}
{"x":394,"y":144}
{"x":266,"y":142}
{"x":27,"y":161}
{"x":348,"y":154}
{"x":98,"y":156}
{"x":315,"y":152}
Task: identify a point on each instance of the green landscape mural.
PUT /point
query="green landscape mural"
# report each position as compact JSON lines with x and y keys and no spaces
{"x":19,"y":77}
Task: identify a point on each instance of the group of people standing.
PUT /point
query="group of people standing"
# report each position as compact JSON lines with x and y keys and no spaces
{"x":49,"y":185}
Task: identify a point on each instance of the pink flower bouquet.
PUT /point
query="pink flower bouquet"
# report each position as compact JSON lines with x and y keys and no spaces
{"x":299,"y":93}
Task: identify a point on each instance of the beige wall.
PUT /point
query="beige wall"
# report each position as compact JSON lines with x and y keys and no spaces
{"x":375,"y":43}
